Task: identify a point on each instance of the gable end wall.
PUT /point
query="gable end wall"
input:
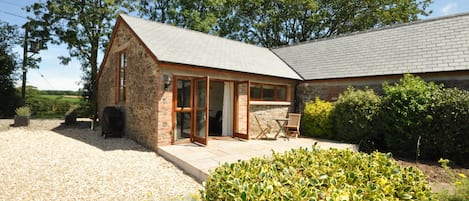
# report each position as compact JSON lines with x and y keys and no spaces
{"x":143,"y":87}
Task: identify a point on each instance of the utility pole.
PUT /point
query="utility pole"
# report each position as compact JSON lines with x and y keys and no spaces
{"x":25,"y":62}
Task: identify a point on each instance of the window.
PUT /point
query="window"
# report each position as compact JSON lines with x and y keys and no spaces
{"x":256,"y":92}
{"x":268,"y":92}
{"x":183,"y":93}
{"x":122,"y":83}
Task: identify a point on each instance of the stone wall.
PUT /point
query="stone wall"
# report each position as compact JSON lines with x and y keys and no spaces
{"x":330,"y":90}
{"x":143,"y":87}
{"x":165,"y":109}
{"x":265,"y":113}
{"x":106,"y":85}
{"x":242,"y":112}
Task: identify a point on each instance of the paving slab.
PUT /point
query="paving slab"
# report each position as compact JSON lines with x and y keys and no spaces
{"x":198,"y":160}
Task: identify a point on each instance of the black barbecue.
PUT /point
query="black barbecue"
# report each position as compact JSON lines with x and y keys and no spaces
{"x":112,"y":122}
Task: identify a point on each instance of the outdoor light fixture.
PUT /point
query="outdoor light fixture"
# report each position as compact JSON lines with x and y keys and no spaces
{"x":166,"y":81}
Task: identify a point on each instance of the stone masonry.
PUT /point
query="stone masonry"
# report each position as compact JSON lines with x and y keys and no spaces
{"x":143,"y":88}
{"x":265,"y":114}
{"x":242,"y":109}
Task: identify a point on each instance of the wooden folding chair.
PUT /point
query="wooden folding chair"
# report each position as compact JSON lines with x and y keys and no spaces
{"x":293,"y":125}
{"x":263,"y":130}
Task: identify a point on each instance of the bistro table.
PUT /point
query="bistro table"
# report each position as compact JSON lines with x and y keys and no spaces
{"x":281,"y":122}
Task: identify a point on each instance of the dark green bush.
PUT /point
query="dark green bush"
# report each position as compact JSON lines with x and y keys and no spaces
{"x":39,"y":105}
{"x":450,"y":125}
{"x":404,"y":115}
{"x":316,"y":120}
{"x":303,"y":174}
{"x":84,"y":110}
{"x":353,"y":114}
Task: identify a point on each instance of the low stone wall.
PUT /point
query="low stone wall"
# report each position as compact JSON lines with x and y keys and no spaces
{"x":265,"y":114}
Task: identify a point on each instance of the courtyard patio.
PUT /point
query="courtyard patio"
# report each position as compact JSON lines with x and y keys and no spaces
{"x":198,"y":160}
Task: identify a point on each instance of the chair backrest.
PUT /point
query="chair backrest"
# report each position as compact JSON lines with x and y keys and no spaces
{"x":294,"y":119}
{"x":257,"y":120}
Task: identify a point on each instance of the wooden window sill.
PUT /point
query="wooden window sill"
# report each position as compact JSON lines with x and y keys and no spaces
{"x":286,"y":103}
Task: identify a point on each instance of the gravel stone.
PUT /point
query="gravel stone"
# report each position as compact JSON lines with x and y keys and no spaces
{"x":51,"y":161}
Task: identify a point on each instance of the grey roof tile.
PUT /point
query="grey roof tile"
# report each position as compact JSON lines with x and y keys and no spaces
{"x":434,"y":45}
{"x":177,"y":45}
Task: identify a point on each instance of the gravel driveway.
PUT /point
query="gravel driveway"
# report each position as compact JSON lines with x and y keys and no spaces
{"x":49,"y":161}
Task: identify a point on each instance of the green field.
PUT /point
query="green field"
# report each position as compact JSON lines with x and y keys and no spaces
{"x":70,"y":99}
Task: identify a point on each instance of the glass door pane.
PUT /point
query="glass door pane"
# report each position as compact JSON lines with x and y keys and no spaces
{"x":183,"y":110}
{"x":201,"y":95}
{"x":183,"y":125}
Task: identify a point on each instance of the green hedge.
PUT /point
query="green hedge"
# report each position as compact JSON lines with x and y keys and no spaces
{"x":316,"y":120}
{"x":409,"y":110}
{"x":450,"y":126}
{"x":44,"y":107}
{"x":303,"y":174}
{"x":353,"y":114}
{"x":405,"y":113}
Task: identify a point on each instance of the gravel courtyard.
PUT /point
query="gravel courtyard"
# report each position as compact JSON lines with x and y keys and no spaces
{"x":50,"y":161}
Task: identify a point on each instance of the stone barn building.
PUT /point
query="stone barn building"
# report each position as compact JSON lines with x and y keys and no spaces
{"x":178,"y":86}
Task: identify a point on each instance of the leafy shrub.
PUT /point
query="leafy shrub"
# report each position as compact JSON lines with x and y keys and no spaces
{"x":303,"y":174}
{"x":72,"y":110}
{"x":460,"y":181}
{"x":316,"y":120}
{"x":353,"y":114}
{"x":9,"y":100}
{"x":61,"y":106}
{"x":24,"y":111}
{"x":39,"y":105}
{"x":84,"y":110}
{"x":404,"y":115}
{"x":450,"y":128}
{"x":48,"y":107}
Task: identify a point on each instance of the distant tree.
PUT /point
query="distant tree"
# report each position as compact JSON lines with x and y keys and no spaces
{"x":9,"y":100}
{"x":196,"y":15}
{"x":84,"y":26}
{"x":272,"y":23}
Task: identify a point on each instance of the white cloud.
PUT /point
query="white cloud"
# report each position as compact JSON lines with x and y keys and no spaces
{"x":448,"y":8}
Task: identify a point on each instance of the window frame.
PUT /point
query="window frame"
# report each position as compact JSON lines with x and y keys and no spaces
{"x":121,"y":81}
{"x":275,"y":90}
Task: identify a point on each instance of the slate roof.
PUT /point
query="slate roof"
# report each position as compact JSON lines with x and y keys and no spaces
{"x":434,"y":45}
{"x":177,"y":45}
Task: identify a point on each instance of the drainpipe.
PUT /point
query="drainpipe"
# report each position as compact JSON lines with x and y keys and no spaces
{"x":296,"y":102}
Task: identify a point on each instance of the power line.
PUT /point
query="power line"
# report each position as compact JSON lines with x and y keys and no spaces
{"x":6,"y":12}
{"x":11,"y":4}
{"x":47,"y":81}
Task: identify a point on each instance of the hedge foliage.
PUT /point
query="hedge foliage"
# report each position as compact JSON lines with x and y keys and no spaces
{"x":450,"y":126}
{"x":317,"y":120}
{"x":43,"y":106}
{"x":303,"y":174}
{"x":353,"y":114}
{"x":409,"y":110}
{"x":405,"y":113}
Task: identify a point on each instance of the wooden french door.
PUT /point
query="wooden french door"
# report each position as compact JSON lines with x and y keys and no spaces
{"x":201,"y":109}
{"x":242,"y":94}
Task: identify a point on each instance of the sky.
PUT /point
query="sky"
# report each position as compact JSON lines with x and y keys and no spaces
{"x":52,"y":75}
